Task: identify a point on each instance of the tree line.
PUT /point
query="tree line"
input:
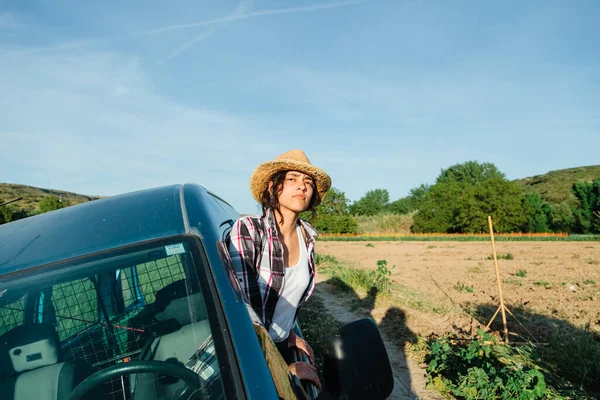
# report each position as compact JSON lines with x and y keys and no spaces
{"x":460,"y":200}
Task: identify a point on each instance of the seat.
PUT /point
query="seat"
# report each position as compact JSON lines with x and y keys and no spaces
{"x":187,"y":315}
{"x":30,"y":366}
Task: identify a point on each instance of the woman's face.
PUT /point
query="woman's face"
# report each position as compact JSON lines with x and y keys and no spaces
{"x":296,"y":192}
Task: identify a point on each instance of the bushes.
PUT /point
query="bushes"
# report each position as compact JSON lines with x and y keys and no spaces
{"x":335,"y":224}
{"x":332,"y":214}
{"x":482,"y":369}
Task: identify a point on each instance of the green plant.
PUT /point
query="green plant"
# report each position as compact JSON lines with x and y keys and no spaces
{"x":381,"y":277}
{"x":324,"y":258}
{"x":317,"y":324}
{"x":369,"y":245}
{"x":589,"y":282}
{"x":575,"y":355}
{"x":507,"y":256}
{"x":521,"y":273}
{"x":543,"y":283}
{"x":431,"y":246}
{"x":481,"y":369}
{"x":591,"y":261}
{"x":462,"y":287}
{"x":512,"y":281}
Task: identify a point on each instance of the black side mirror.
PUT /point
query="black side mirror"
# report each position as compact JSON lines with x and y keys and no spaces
{"x":356,"y":364}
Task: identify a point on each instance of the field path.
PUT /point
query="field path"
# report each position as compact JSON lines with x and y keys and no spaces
{"x":409,"y":377}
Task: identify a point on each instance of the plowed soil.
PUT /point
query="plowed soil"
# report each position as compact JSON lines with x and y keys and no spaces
{"x":437,"y":285}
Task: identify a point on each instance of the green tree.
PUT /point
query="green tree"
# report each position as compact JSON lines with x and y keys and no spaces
{"x":372,"y":203}
{"x":588,"y":195}
{"x":536,"y":211}
{"x":335,"y":224}
{"x":463,"y":197}
{"x":438,"y":207}
{"x":51,"y":203}
{"x":334,"y":203}
{"x":10,"y":213}
{"x":401,"y":206}
{"x":332,"y":214}
{"x":561,"y":217}
{"x":409,"y":203}
{"x":470,"y":172}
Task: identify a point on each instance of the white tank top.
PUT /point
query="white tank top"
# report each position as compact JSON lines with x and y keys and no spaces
{"x":295,"y":283}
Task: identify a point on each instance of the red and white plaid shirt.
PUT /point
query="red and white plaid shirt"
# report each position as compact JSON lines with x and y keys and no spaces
{"x":257,"y":256}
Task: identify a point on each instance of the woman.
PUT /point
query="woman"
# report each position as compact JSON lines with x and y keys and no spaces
{"x":274,"y":253}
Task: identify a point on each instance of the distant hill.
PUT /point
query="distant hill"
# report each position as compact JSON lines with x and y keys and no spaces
{"x":555,"y":186}
{"x":33,"y":195}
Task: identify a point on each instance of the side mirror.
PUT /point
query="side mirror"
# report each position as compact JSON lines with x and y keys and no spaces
{"x":356,"y":364}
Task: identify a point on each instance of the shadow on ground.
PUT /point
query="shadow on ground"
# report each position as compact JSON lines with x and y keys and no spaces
{"x":392,"y":325}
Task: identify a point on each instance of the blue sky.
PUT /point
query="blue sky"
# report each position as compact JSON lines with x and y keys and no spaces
{"x":112,"y":97}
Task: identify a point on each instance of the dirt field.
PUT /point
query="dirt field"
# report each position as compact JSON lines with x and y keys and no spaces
{"x":435,"y":282}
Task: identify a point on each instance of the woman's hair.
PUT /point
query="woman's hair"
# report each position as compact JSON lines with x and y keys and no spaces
{"x":270,"y":200}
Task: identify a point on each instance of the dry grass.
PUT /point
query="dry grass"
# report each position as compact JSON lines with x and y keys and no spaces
{"x":385,"y":223}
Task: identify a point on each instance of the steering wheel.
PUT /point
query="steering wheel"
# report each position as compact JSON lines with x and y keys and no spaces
{"x":192,"y":380}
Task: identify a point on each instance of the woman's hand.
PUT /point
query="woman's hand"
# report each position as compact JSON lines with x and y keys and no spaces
{"x":302,"y":344}
{"x":305,"y":371}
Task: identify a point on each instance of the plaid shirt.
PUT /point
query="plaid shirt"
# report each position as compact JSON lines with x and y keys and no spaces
{"x":257,"y":256}
{"x":204,"y":362}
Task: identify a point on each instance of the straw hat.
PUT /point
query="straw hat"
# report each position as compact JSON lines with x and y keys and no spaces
{"x":293,"y":160}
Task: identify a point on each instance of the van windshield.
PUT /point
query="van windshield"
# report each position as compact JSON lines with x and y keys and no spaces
{"x":64,"y":323}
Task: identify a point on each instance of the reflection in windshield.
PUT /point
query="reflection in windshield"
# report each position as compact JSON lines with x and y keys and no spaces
{"x":145,"y":304}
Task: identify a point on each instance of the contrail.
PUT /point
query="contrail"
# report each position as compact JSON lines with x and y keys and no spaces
{"x":187,"y":45}
{"x":255,"y":14}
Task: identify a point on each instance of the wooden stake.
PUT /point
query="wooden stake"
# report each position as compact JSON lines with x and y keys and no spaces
{"x":502,"y":308}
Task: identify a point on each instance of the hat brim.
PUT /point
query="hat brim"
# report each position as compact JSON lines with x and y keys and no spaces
{"x":259,"y":180}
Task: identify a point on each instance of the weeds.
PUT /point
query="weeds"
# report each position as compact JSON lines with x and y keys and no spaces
{"x":369,"y":245}
{"x":576,"y":356}
{"x":316,"y":325}
{"x":589,"y":282}
{"x":462,"y":287}
{"x":521,"y":273}
{"x":431,"y":246}
{"x":545,"y":284}
{"x":591,"y":261}
{"x":381,"y":277}
{"x":507,"y":256}
{"x":481,"y":369}
{"x":324,"y":258}
{"x":355,"y":278}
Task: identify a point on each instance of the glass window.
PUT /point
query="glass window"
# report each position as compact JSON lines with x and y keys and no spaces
{"x":11,"y":312}
{"x":146,"y":303}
